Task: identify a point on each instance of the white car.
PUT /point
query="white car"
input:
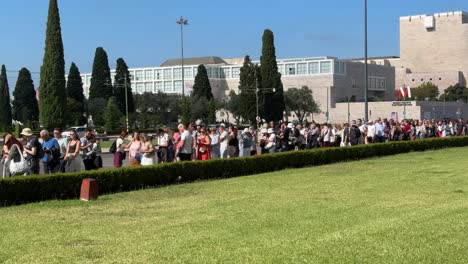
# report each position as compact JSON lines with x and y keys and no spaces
{"x":80,"y":130}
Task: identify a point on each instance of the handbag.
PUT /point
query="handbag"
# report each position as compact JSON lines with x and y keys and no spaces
{"x":20,"y":167}
{"x":202,"y":150}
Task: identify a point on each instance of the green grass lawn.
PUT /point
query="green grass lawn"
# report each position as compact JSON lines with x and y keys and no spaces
{"x":410,"y":208}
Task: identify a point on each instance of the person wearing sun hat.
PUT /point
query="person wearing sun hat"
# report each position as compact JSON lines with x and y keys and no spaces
{"x":31,"y":149}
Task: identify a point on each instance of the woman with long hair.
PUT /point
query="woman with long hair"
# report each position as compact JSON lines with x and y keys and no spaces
{"x":204,"y":144}
{"x":133,"y":149}
{"x":147,"y":151}
{"x":73,"y":162}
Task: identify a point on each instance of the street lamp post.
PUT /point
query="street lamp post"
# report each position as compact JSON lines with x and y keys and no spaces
{"x":182,"y":22}
{"x":126,"y":102}
{"x":366,"y":104}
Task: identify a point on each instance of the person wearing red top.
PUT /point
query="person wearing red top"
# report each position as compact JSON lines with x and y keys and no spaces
{"x":203,"y":145}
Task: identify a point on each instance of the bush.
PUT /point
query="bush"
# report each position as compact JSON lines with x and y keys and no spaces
{"x":20,"y":190}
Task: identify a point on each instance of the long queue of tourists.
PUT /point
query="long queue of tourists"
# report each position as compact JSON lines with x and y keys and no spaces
{"x":29,"y":155}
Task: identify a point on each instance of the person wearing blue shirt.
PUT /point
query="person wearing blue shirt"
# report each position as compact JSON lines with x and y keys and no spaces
{"x":50,"y":146}
{"x":379,"y":131}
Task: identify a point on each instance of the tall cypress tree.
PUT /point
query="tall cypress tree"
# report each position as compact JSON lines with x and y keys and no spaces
{"x":101,"y":84}
{"x":52,"y":96}
{"x":25,"y":106}
{"x":271,"y":78}
{"x":5,"y":106}
{"x":75,"y":97}
{"x":202,"y":86}
{"x":247,"y":88}
{"x":121,"y":72}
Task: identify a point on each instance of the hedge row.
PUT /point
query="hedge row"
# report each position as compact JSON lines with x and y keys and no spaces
{"x":20,"y":190}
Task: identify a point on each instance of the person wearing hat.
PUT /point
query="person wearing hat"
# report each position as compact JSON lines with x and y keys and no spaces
{"x":271,"y":141}
{"x":245,"y":143}
{"x":354,"y":134}
{"x":32,"y":149}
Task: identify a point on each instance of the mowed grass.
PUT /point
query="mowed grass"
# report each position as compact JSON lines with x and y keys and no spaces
{"x":410,"y":208}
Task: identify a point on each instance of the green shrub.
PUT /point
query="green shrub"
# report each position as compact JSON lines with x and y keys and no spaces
{"x":20,"y":190}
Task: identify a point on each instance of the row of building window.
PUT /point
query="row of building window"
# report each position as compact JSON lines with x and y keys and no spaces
{"x":377,"y":83}
{"x":154,"y":87}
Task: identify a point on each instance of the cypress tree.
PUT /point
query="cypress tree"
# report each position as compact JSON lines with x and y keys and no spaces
{"x":121,"y":72}
{"x":25,"y":106}
{"x":202,"y":86}
{"x":271,"y":78}
{"x":101,"y":84}
{"x":52,"y":96}
{"x":247,"y":89}
{"x":75,"y":97}
{"x":112,"y":115}
{"x":5,"y":106}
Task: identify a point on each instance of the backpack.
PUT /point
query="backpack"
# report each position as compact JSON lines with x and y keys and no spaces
{"x":113,"y":147}
{"x":39,"y":151}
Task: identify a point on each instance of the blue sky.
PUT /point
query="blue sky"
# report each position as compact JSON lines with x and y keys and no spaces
{"x":144,"y":32}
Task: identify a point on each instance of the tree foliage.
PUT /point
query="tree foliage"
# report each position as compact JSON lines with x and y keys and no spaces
{"x":75,"y":97}
{"x":300,"y":101}
{"x":156,"y":109}
{"x":5,"y":106}
{"x":272,"y":87}
{"x":25,"y":106}
{"x":202,"y":86}
{"x":95,"y":109}
{"x":235,"y":106}
{"x":52,"y":96}
{"x":248,"y":80}
{"x":101,"y":84}
{"x":112,"y":115}
{"x":426,"y":90}
{"x":455,"y":93}
{"x":122,"y":85}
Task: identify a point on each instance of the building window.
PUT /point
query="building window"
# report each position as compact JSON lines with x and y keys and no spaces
{"x":167,"y":74}
{"x":140,"y":88}
{"x":290,"y":69}
{"x":148,"y":75}
{"x":325,"y":67}
{"x":148,"y":87}
{"x":177,"y":73}
{"x":139,"y":75}
{"x":336,"y":67}
{"x":208,"y":72}
{"x":168,"y":86}
{"x":215,"y":73}
{"x":301,"y":68}
{"x":226,"y":73}
{"x":235,"y":72}
{"x":281,"y":69}
{"x":314,"y":68}
{"x":158,"y":86}
{"x":195,"y":71}
{"x":157,"y":74}
{"x":188,"y":72}
{"x":178,"y":86}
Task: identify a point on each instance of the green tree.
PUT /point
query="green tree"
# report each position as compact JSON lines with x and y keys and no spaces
{"x":455,"y":93}
{"x":300,"y":101}
{"x":25,"y":106}
{"x":122,"y":78}
{"x":95,"y":109}
{"x":5,"y":105}
{"x":425,"y":90}
{"x":272,"y":87}
{"x":235,"y":106}
{"x":202,"y":86}
{"x":52,"y":96}
{"x":101,"y":84}
{"x":248,"y":80}
{"x":112,"y":114}
{"x":185,"y":106}
{"x":156,"y":109}
{"x":75,"y":97}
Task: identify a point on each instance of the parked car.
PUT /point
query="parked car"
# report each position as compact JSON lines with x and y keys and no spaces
{"x":80,"y":130}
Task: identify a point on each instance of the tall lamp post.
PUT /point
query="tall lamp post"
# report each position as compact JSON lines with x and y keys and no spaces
{"x":366,"y":104}
{"x":182,"y":22}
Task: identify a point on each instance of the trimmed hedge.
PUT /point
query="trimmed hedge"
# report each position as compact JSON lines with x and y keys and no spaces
{"x":19,"y":190}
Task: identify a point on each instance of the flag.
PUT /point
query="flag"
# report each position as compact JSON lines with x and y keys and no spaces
{"x":402,"y":92}
{"x":399,"y":94}
{"x":408,"y":92}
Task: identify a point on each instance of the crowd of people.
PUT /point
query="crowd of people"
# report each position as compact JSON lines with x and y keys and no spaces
{"x":55,"y":153}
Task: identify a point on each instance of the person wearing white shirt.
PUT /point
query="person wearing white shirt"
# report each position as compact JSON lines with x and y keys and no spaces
{"x":119,"y":154}
{"x":370,"y":132}
{"x":223,"y":141}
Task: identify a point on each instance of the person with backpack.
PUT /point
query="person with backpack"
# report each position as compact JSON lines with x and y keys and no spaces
{"x":32,"y":149}
{"x":118,"y":149}
{"x":51,"y":159}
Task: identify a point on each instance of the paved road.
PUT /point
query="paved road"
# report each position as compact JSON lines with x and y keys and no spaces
{"x":107,"y":162}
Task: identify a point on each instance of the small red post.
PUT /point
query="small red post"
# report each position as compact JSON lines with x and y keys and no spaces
{"x":89,"y":190}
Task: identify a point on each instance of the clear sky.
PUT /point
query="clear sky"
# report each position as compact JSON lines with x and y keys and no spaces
{"x":144,"y":32}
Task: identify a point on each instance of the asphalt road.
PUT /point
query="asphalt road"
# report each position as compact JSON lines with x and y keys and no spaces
{"x":107,"y":162}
